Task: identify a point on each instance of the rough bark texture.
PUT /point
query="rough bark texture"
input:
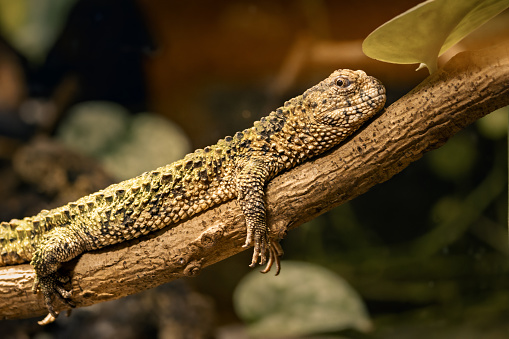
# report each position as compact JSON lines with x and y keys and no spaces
{"x":470,"y":86}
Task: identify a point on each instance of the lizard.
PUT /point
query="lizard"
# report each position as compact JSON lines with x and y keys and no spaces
{"x":237,"y":167}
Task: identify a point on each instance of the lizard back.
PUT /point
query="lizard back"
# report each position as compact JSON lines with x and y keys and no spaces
{"x":150,"y":201}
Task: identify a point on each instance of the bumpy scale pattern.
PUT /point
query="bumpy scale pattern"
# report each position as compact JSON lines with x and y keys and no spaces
{"x":236,"y":167}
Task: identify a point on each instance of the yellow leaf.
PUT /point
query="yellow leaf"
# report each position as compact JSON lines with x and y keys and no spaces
{"x":423,"y":33}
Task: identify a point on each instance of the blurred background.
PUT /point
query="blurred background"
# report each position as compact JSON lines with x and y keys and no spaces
{"x":96,"y":91}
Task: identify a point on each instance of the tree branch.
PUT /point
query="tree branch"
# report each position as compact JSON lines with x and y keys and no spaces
{"x":470,"y":86}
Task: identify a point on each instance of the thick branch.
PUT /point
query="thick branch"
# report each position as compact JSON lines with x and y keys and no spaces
{"x":471,"y":85}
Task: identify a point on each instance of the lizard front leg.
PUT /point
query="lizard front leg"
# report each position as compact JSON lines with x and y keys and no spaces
{"x":250,"y":195}
{"x":59,"y":245}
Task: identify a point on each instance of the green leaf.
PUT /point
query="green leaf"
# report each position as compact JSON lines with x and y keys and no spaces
{"x":304,"y":299}
{"x":423,"y":33}
{"x":32,"y":26}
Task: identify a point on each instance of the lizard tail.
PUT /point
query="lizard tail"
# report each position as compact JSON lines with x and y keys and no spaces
{"x":17,"y":240}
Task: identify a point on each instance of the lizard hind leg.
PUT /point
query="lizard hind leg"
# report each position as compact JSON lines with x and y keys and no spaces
{"x":59,"y":245}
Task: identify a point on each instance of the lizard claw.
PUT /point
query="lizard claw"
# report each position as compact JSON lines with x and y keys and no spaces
{"x":51,"y":286}
{"x":47,"y":320}
{"x":256,"y":254}
{"x":275,"y":252}
{"x":262,"y":248}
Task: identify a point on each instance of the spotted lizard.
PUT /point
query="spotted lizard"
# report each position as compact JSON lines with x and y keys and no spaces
{"x":237,"y":167}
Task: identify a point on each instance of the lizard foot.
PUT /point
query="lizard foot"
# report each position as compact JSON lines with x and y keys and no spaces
{"x":262,"y":248}
{"x":51,"y":286}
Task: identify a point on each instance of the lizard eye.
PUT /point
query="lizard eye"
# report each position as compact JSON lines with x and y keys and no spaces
{"x":342,"y":82}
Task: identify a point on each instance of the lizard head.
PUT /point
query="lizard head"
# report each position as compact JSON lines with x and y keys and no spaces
{"x":345,"y":99}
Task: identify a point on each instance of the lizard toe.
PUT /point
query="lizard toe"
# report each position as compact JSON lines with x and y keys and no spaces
{"x":50,"y":287}
{"x":256,"y":254}
{"x":275,"y":253}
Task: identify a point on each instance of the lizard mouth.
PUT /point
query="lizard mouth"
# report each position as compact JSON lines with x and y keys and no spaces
{"x":379,"y":101}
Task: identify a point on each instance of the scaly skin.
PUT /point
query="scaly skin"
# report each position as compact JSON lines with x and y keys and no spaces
{"x":236,"y":167}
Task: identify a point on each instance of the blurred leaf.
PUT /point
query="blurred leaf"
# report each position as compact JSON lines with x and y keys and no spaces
{"x":446,"y":209}
{"x":32,"y":26}
{"x":93,"y":127}
{"x":153,"y":141}
{"x":12,"y":15}
{"x":455,"y":159}
{"x":494,"y":125}
{"x":423,"y":33}
{"x":303,"y":299}
{"x":126,"y":145}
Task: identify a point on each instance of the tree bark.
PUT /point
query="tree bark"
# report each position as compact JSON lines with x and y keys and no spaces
{"x":469,"y":86}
